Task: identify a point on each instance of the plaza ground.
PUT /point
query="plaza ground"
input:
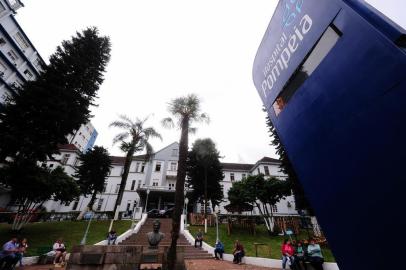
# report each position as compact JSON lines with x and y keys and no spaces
{"x":42,"y":235}
{"x":247,"y":239}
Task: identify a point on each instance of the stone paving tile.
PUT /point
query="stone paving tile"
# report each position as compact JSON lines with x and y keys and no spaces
{"x":39,"y":267}
{"x":212,"y":264}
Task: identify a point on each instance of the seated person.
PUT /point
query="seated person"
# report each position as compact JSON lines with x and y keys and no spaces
{"x":314,"y":255}
{"x":112,"y":237}
{"x":22,"y":248}
{"x":199,"y":238}
{"x":300,"y":254}
{"x":287,"y":253}
{"x":238,"y":252}
{"x":218,"y":249}
{"x":10,"y":255}
{"x":60,"y":252}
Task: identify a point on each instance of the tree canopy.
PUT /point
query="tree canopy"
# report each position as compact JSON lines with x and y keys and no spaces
{"x":264,"y":193}
{"x":93,"y":170}
{"x":39,"y":115}
{"x":203,"y":160}
{"x":32,"y":185}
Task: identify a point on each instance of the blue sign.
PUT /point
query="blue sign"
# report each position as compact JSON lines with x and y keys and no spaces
{"x":295,"y":26}
{"x":332,"y":76}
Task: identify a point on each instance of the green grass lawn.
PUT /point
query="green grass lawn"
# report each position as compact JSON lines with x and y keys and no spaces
{"x":43,"y":235}
{"x":247,"y":240}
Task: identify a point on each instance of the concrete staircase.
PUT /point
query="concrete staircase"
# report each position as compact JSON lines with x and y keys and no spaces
{"x":140,"y":239}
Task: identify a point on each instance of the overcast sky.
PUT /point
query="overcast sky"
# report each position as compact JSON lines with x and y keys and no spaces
{"x":165,"y":49}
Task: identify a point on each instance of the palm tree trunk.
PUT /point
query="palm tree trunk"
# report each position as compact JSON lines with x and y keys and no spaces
{"x":179,"y":196}
{"x":124,"y":177}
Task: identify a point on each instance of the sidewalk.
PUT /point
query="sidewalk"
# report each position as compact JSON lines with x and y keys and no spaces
{"x":211,"y":264}
{"x":40,"y":267}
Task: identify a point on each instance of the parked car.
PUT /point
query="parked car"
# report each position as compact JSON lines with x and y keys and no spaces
{"x":154,"y":213}
{"x":167,"y":213}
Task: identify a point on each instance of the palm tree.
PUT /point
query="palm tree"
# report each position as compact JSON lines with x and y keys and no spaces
{"x":133,"y":139}
{"x":185,"y":110}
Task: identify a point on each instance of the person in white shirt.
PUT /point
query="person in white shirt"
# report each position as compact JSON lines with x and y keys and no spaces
{"x":60,"y":252}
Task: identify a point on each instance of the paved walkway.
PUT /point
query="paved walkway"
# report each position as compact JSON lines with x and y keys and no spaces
{"x":212,"y":264}
{"x":199,"y":264}
{"x":39,"y":267}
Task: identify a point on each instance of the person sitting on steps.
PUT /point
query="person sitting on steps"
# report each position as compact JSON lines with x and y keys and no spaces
{"x":60,"y":253}
{"x":10,"y":255}
{"x":199,"y":238}
{"x":314,"y":255}
{"x":218,"y":250}
{"x":238,"y":252}
{"x":112,"y":237}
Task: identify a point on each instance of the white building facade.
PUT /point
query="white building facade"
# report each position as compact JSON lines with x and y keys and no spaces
{"x":19,"y":60}
{"x":83,"y":138}
{"x":156,"y":179}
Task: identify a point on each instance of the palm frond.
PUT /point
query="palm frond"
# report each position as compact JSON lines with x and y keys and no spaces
{"x":167,"y":122}
{"x":150,"y":132}
{"x":120,"y":137}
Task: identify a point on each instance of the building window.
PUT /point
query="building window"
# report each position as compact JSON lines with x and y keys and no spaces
{"x":75,"y":205}
{"x":171,"y":186}
{"x":158,"y":167}
{"x":38,"y":63}
{"x":275,"y":208}
{"x":266,"y":170}
{"x":128,"y":206}
{"x":2,"y":41}
{"x":104,"y":187}
{"x":21,"y":41}
{"x":117,"y":188}
{"x":3,"y":68}
{"x":13,"y":56}
{"x":232,"y":177}
{"x":155,"y":184}
{"x":51,"y":165}
{"x":244,"y":175}
{"x":139,"y":183}
{"x":65,"y":159}
{"x":137,"y":167}
{"x":311,"y":62}
{"x":142,"y":167}
{"x":99,"y":204}
{"x":67,"y":203}
{"x":133,"y":185}
{"x":259,"y":171}
{"x":174,"y":152}
{"x":173,"y":166}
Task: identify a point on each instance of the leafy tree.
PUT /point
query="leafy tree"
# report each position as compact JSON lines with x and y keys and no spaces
{"x":92,"y":172}
{"x":301,"y":200}
{"x":204,"y":173}
{"x":134,"y":138}
{"x":186,"y":111}
{"x":32,"y":185}
{"x":41,"y":113}
{"x":263,"y":193}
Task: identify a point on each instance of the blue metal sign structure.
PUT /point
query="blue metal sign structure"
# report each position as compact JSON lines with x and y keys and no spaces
{"x":332,"y":76}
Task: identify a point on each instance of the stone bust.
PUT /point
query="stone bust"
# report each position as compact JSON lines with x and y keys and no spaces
{"x":155,"y":236}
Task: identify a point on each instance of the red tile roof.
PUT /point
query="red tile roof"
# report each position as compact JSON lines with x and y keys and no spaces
{"x":70,"y":147}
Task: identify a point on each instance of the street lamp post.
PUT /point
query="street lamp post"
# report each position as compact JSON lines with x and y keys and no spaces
{"x":83,"y":242}
{"x":146,"y":201}
{"x":205,"y":198}
{"x":186,"y":203}
{"x":217,"y":225}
